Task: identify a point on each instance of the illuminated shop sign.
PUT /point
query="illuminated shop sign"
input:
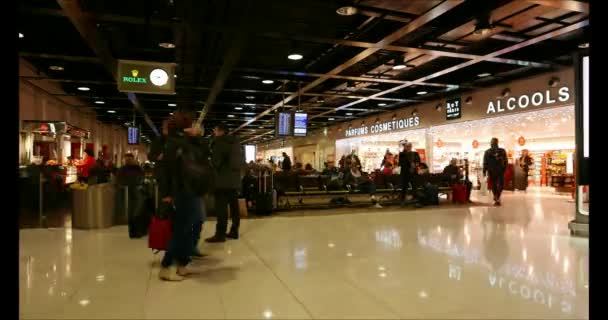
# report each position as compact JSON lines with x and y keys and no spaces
{"x":528,"y":100}
{"x":388,"y":126}
{"x":453,"y":109}
{"x":146,"y":77}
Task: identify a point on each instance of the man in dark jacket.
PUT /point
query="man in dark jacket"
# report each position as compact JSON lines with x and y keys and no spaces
{"x":408,"y":161}
{"x":495,"y":163}
{"x":227,"y":160}
{"x":286,"y":164}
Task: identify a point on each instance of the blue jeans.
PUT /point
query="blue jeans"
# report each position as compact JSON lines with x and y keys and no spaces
{"x":198,"y":226}
{"x":187,"y":212}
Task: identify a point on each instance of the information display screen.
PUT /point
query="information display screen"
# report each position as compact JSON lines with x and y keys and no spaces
{"x":300,"y":124}
{"x":133,"y":135}
{"x":284,"y":124}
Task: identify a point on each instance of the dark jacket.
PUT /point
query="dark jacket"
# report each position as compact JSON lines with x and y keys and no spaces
{"x":131,"y":175}
{"x":157,"y":148}
{"x":495,"y":161}
{"x":286,"y":164}
{"x":227,"y":160}
{"x":408,"y":161}
{"x":453,"y":172}
{"x":525,"y":162}
{"x":170,"y":174}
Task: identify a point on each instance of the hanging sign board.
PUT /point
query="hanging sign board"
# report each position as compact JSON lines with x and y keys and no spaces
{"x":453,"y":109}
{"x":146,"y":77}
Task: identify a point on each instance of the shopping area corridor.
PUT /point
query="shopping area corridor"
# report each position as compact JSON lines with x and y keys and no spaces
{"x":517,"y":261}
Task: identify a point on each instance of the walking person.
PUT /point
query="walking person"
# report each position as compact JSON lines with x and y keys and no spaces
{"x":181,"y":185}
{"x":408,"y":161}
{"x":286,"y":163}
{"x":495,"y":165}
{"x":228,"y":160}
{"x":525,"y":161}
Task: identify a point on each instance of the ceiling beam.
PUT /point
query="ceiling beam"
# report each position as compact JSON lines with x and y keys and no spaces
{"x":88,"y":31}
{"x":570,"y":5}
{"x":403,"y":31}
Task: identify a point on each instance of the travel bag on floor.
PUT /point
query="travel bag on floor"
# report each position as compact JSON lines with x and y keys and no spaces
{"x":263,"y":199}
{"x":159,"y":232}
{"x":459,"y":193}
{"x":431,"y":195}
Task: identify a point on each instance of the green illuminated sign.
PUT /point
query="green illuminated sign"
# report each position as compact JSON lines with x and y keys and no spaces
{"x":146,"y":77}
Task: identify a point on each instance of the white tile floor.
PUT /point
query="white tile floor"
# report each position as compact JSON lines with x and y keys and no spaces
{"x":517,"y":261}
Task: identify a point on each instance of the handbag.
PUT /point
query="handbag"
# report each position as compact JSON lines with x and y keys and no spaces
{"x":483,"y":186}
{"x":159,"y":232}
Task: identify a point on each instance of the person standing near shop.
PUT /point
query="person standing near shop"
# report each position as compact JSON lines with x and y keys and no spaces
{"x":408,"y":161}
{"x":85,"y":166}
{"x":494,"y":165}
{"x":286,"y":163}
{"x":227,"y":160}
{"x":525,"y":162}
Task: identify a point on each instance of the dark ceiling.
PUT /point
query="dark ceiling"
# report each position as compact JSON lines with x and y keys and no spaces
{"x":225,"y":48}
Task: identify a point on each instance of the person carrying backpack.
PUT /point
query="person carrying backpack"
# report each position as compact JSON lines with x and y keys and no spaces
{"x":186,"y":177}
{"x":495,"y":164}
{"x":227,"y":159}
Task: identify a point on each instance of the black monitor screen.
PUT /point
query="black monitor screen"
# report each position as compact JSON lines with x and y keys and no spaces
{"x":133,"y":135}
{"x":284,"y":124}
{"x":301,"y":123}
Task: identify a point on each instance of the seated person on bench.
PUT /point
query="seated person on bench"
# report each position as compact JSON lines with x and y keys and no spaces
{"x":456,"y":176}
{"x":357,"y":181}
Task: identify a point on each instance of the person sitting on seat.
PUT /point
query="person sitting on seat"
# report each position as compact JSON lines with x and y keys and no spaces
{"x":388,"y":169}
{"x":456,"y":176}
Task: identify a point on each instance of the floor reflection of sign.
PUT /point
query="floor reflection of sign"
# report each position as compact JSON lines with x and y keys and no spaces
{"x":455,"y":272}
{"x":452,"y":109}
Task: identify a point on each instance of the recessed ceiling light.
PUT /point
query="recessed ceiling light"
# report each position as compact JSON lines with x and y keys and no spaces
{"x":399,"y":66}
{"x":261,"y":127}
{"x":111,"y":111}
{"x":381,"y":104}
{"x":230,"y":116}
{"x":20,"y":35}
{"x":485,"y":74}
{"x":170,"y":113}
{"x":250,"y":97}
{"x":172,"y":105}
{"x":421,"y":92}
{"x":99,"y":102}
{"x":349,"y":114}
{"x":295,"y":56}
{"x":166,"y":45}
{"x":174,"y":76}
{"x":347,"y":11}
{"x":584,"y":45}
{"x":84,"y":88}
{"x":267,"y":81}
{"x":249,"y":113}
{"x":331,"y":119}
{"x":56,"y":68}
{"x":238,"y":108}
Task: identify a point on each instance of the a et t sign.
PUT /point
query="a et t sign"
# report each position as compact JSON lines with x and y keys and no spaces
{"x":453,"y":109}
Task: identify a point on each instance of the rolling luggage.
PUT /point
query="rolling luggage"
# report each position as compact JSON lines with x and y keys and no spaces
{"x":459,"y":193}
{"x":159,"y":232}
{"x":263,"y":199}
{"x":431,"y":195}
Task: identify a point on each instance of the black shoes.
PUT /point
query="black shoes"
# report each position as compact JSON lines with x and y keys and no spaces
{"x":215,"y":239}
{"x":232,"y":235}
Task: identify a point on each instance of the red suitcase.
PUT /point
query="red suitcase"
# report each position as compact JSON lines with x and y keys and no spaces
{"x":159,"y":233}
{"x":459,"y":193}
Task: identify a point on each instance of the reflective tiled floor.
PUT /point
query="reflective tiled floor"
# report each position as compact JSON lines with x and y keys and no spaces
{"x":517,"y":261}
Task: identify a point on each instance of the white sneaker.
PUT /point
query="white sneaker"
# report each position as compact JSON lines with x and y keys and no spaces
{"x":169,"y":274}
{"x":184,"y":271}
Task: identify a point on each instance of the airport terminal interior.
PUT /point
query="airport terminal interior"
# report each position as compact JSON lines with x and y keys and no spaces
{"x":304,"y":159}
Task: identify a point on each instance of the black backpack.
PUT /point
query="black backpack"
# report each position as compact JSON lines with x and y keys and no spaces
{"x":193,"y":155}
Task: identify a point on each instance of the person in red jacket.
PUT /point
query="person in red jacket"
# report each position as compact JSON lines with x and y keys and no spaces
{"x":85,"y":166}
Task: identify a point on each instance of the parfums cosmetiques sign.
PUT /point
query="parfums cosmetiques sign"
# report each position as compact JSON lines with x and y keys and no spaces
{"x":388,"y":126}
{"x":536,"y":99}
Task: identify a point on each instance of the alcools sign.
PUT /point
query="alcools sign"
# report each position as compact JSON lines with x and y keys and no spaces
{"x":524,"y":101}
{"x":146,"y":77}
{"x":388,"y":126}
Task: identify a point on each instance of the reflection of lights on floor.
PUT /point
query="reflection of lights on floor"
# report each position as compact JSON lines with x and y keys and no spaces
{"x":331,"y":245}
{"x":84,"y":302}
{"x":468,"y":237}
{"x":566,"y":264}
{"x":524,"y":254}
{"x":382,"y":275}
{"x":586,"y":286}
{"x":349,"y":254}
{"x":54,"y":268}
{"x":381,"y":268}
{"x":423,"y":294}
{"x":530,"y":270}
{"x":439,"y":229}
{"x":267,"y":314}
{"x":521,"y":233}
{"x":557,"y":256}
{"x":100,"y":278}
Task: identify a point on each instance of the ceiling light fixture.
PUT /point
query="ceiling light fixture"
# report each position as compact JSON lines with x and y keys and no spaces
{"x":99,"y":102}
{"x":468,"y":100}
{"x":295,"y":56}
{"x":267,"y":81}
{"x":250,"y":97}
{"x":582,"y":45}
{"x":172,"y":105}
{"x":394,"y":116}
{"x":347,"y":11}
{"x":238,"y":108}
{"x":554,"y":81}
{"x":415,"y":112}
{"x":483,"y":25}
{"x":381,"y":104}
{"x":84,"y":88}
{"x":377,"y":120}
{"x":166,"y":45}
{"x":111,"y":111}
{"x":438,"y":107}
{"x":175,"y":76}
{"x":506,"y":92}
{"x":485,"y":74}
{"x":421,"y":92}
{"x":399,"y":63}
{"x":331,"y":119}
{"x":20,"y":35}
{"x":230,"y":116}
{"x":349,"y":113}
{"x":56,"y":68}
{"x":320,"y":100}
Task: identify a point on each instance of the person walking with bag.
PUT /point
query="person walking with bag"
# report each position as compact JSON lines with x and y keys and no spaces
{"x":495,"y":165}
{"x":227,"y":159}
{"x":185,"y":177}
